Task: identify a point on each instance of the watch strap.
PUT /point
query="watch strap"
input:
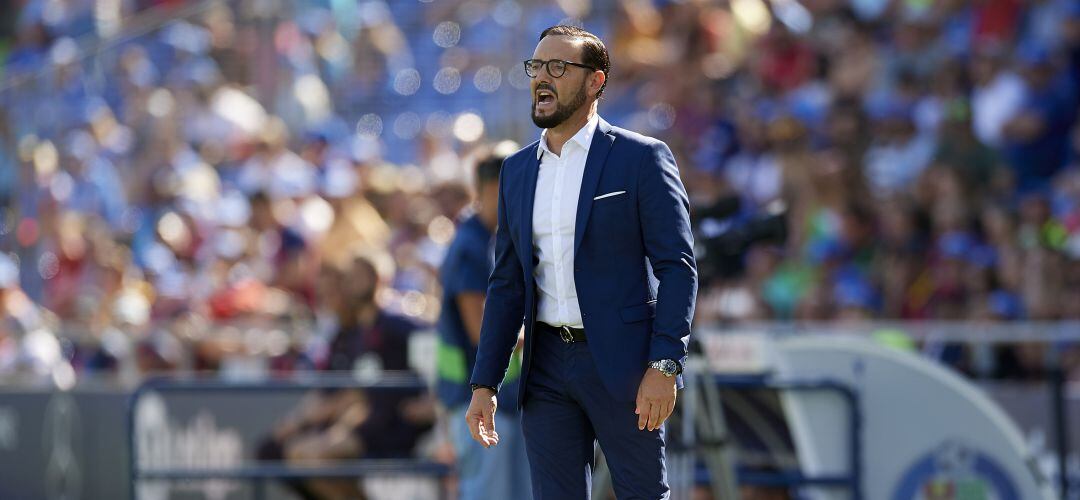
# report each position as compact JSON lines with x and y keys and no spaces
{"x":660,"y":364}
{"x":479,"y":386}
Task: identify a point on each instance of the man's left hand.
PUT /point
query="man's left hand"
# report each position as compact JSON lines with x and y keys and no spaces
{"x":655,"y":399}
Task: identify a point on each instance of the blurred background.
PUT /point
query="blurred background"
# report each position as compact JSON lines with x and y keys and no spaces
{"x":215,"y":187}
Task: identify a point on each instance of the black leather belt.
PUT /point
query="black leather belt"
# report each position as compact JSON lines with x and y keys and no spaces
{"x":566,"y":333}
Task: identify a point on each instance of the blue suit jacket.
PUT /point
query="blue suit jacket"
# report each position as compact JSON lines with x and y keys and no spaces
{"x":633,"y":262}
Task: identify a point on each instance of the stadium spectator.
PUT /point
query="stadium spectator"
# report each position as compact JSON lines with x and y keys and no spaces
{"x":1035,"y":139}
{"x":348,"y":424}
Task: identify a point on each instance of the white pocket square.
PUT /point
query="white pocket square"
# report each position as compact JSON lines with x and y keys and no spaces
{"x":609,"y":195}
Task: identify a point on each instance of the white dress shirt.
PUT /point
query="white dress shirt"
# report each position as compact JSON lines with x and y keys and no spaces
{"x":558,"y":187}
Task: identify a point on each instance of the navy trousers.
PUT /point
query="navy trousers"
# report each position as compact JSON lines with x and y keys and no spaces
{"x":566,"y":411}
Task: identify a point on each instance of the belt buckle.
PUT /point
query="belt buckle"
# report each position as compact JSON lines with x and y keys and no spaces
{"x":565,"y":335}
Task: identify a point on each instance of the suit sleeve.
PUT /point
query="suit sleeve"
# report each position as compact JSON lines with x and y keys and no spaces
{"x":669,"y":244}
{"x":504,"y":306}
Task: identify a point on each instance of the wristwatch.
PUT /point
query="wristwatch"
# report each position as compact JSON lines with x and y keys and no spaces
{"x":478,"y":386}
{"x":669,"y":367}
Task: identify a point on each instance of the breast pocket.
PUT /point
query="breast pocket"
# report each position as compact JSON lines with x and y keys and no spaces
{"x":613,"y":212}
{"x":609,"y":195}
{"x":610,"y":200}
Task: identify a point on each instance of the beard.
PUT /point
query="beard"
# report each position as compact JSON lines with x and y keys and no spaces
{"x":562,"y":111}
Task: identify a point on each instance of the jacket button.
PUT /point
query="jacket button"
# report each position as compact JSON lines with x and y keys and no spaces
{"x":577,"y":269}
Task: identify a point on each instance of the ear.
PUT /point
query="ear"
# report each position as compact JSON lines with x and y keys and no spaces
{"x":596,"y":82}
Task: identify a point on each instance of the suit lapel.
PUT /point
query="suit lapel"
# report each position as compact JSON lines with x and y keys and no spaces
{"x":594,"y":165}
{"x":528,"y":197}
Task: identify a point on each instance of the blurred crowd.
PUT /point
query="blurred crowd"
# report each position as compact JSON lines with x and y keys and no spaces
{"x":926,"y":158}
{"x":207,"y":193}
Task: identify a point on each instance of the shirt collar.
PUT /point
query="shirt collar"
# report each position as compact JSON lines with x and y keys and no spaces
{"x":583,"y":137}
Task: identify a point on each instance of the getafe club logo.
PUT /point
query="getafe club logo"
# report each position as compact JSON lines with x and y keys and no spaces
{"x":954,"y":471}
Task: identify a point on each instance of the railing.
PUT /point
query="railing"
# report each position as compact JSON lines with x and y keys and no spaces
{"x":1054,"y":417}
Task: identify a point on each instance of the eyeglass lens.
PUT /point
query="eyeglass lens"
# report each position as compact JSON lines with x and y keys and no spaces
{"x":555,"y":68}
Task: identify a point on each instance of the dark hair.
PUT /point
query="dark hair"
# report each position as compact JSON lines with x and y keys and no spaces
{"x":593,"y":52}
{"x":487,"y":170}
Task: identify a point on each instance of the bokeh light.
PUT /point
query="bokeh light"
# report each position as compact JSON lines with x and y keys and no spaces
{"x":507,"y":13}
{"x":488,"y":79}
{"x":61,"y":186}
{"x":369,"y":125}
{"x":46,"y":158}
{"x":439,"y":124}
{"x":48,"y":265}
{"x":468,"y":127}
{"x":661,"y":116}
{"x":172,"y":230}
{"x":407,"y":81}
{"x":447,"y":34}
{"x":316,"y":215}
{"x":447,"y":80}
{"x":441,"y":230}
{"x":407,"y":125}
{"x":161,"y":103}
{"x":413,"y":303}
{"x":753,"y":15}
{"x":517,"y":77}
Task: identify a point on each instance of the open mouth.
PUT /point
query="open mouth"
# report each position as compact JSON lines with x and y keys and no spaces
{"x":544,"y":98}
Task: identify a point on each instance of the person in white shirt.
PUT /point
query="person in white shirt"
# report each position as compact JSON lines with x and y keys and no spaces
{"x":594,"y":256}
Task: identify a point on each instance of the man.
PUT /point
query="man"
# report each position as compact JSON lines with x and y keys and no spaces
{"x":594,"y":251}
{"x":464,"y":274}
{"x":336,"y":425}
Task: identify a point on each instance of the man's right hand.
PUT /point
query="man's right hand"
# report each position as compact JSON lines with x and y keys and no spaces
{"x":481,"y":417}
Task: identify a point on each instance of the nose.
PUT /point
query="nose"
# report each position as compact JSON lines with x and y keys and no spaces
{"x":543,"y":77}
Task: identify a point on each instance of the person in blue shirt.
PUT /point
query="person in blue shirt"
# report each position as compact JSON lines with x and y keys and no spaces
{"x":1037,"y":139}
{"x":482,"y":474}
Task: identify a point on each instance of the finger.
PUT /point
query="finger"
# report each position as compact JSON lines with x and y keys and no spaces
{"x":488,"y":437}
{"x":489,"y":418}
{"x":491,"y":437}
{"x":654,"y":415}
{"x":642,"y":413}
{"x":474,"y":424}
{"x":483,"y":435}
{"x":669,"y":407}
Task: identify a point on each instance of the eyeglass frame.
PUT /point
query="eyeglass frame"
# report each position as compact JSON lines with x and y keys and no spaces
{"x":547,"y":67}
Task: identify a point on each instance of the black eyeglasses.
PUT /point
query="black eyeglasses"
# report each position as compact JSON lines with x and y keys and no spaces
{"x":555,"y":67}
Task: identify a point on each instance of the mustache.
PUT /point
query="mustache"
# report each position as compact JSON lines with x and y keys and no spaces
{"x":546,"y":87}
